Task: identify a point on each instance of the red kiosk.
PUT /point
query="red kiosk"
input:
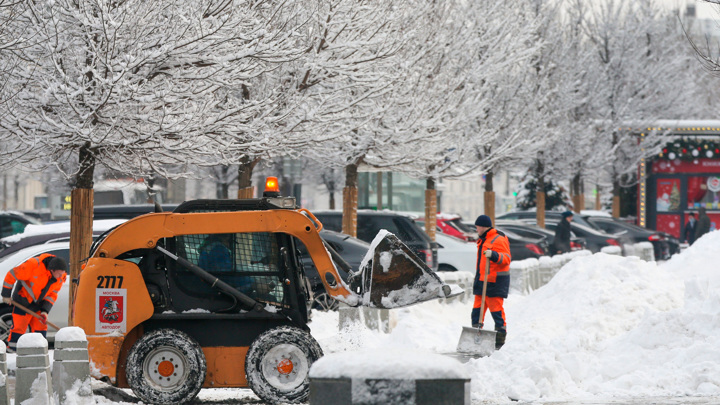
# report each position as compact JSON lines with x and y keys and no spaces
{"x":682,"y":178}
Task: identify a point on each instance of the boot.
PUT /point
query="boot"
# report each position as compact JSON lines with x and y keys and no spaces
{"x":500,"y":335}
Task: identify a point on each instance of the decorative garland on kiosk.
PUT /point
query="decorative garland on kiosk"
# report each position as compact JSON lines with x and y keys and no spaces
{"x":690,"y":149}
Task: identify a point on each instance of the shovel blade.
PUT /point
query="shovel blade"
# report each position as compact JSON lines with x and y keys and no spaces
{"x":395,"y":277}
{"x":476,"y":341}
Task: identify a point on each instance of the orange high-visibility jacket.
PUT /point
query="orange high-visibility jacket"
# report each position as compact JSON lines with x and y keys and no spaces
{"x":37,"y":284}
{"x":499,"y":275}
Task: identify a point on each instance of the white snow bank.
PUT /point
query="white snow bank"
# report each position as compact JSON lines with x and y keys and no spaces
{"x":70,"y":334}
{"x":605,"y":327}
{"x":388,"y":363}
{"x":32,"y":340}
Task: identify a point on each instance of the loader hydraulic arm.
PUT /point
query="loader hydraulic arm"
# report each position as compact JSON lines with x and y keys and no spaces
{"x":145,"y":231}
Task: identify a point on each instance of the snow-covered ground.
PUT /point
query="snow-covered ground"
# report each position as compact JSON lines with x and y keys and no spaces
{"x":605,"y":329}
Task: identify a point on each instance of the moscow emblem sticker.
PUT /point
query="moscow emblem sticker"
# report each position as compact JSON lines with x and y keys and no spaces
{"x":110,"y":309}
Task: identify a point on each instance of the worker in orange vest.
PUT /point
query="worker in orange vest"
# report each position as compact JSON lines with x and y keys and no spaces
{"x":494,"y":246}
{"x":40,"y":279}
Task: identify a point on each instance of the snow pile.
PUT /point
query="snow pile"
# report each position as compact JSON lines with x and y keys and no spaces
{"x":605,"y":327}
{"x":39,"y":394}
{"x":32,"y":340}
{"x":70,"y":334}
{"x":388,"y":363}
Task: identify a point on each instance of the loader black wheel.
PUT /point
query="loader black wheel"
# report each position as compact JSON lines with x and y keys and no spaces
{"x":166,"y":366}
{"x":324,"y":302}
{"x":6,"y":322}
{"x":278,"y":364}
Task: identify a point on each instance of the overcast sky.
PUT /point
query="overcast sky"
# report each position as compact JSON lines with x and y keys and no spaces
{"x":704,"y":9}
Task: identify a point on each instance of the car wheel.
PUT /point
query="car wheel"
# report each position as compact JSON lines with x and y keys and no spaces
{"x":6,"y":322}
{"x":446,"y":267}
{"x":278,"y":363}
{"x":166,"y":366}
{"x":324,"y":302}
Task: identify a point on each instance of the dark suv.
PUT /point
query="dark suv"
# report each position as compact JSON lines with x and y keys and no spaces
{"x":369,"y":223}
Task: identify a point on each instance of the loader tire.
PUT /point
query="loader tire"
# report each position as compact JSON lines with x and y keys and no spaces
{"x":278,"y":364}
{"x":166,"y":366}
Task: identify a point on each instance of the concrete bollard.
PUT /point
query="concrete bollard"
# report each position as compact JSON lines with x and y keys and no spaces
{"x":4,"y":392}
{"x":388,"y":377}
{"x":32,"y":378}
{"x":383,"y":320}
{"x":71,"y":367}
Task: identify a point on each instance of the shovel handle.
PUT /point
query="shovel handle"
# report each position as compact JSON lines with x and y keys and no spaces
{"x":484,"y":290}
{"x":26,"y":309}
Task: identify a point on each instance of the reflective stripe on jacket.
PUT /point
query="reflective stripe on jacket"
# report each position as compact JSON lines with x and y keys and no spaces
{"x":499,"y":277}
{"x":37,"y":284}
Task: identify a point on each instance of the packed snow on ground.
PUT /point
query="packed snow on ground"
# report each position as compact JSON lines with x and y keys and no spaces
{"x":605,"y":328}
{"x":388,"y":363}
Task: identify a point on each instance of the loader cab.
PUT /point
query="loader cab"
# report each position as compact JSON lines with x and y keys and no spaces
{"x":261,"y":265}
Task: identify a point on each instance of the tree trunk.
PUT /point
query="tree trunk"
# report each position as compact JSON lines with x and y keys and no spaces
{"x":597,"y":197}
{"x":576,"y":194}
{"x":81,"y":219}
{"x":489,"y":197}
{"x":332,"y":200}
{"x":245,"y":171}
{"x":616,"y":199}
{"x":540,"y":205}
{"x":350,"y":200}
{"x":430,"y":207}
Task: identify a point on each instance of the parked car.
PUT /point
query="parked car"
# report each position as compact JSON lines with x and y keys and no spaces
{"x":455,"y":254}
{"x":531,"y":216}
{"x":59,"y":313}
{"x":127,"y":211}
{"x":12,"y":222}
{"x":533,"y":231}
{"x":595,"y":240}
{"x":451,"y":224}
{"x":49,"y":233}
{"x":524,"y":246}
{"x":369,"y":223}
{"x":352,"y":250}
{"x":664,"y":244}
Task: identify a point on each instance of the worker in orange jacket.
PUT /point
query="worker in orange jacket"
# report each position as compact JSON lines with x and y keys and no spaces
{"x":494,"y":246}
{"x":39,"y":280}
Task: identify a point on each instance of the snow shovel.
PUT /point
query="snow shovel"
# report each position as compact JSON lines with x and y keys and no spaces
{"x":14,"y":303}
{"x":476,"y":341}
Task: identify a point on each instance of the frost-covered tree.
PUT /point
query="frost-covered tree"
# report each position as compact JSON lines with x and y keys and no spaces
{"x":556,"y":196}
{"x":350,"y":63}
{"x":644,"y":65}
{"x":135,"y":86}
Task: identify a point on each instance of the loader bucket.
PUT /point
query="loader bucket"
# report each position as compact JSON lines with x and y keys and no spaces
{"x":392,"y":276}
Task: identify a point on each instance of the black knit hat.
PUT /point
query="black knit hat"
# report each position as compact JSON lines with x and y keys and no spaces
{"x":484,"y":221}
{"x":567,"y":214}
{"x":57,"y":263}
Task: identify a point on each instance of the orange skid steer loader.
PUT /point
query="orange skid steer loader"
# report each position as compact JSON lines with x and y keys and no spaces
{"x":213,"y":294}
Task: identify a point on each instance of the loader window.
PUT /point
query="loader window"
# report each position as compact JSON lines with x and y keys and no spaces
{"x":249,"y":262}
